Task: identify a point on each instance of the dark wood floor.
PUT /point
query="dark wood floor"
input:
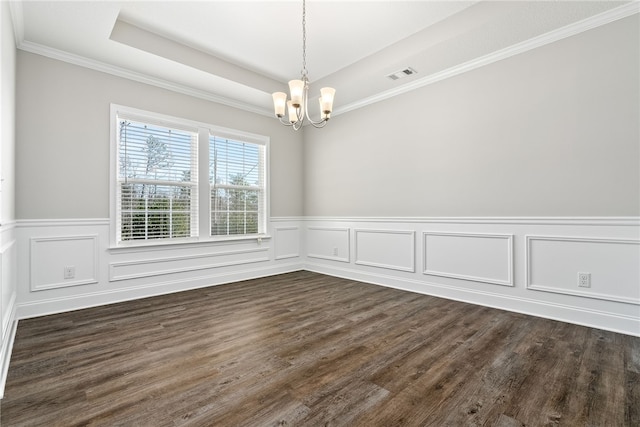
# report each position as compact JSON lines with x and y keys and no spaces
{"x":303,"y":349}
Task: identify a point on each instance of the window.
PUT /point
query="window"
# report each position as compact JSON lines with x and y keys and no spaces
{"x":160,"y":189}
{"x":157,"y":182}
{"x":237,"y":190}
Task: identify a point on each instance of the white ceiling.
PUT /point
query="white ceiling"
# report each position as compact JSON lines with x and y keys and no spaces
{"x":238,"y":52}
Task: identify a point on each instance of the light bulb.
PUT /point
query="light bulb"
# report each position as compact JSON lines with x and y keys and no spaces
{"x":279,"y":103}
{"x":326,"y":99}
{"x":296,"y":87}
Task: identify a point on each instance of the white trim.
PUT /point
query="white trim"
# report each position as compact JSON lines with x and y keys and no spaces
{"x":623,"y":324}
{"x":68,"y":222}
{"x":6,"y":348}
{"x":525,"y":46}
{"x":286,"y":218}
{"x":8,"y":225}
{"x":188,"y":125}
{"x":49,"y":306}
{"x":67,"y":283}
{"x":103,"y":67}
{"x":509,"y":261}
{"x":577,"y":292}
{"x":17,"y":17}
{"x":8,"y":249}
{"x":8,"y":245}
{"x":331,"y":257}
{"x":203,"y":187}
{"x":544,"y":39}
{"x":113,"y":277}
{"x":275,"y":246}
{"x":596,"y":221}
{"x":158,"y":246}
{"x":412,"y":233}
{"x":586,"y":310}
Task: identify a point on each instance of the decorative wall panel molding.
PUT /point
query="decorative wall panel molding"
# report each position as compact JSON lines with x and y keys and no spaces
{"x":287,"y":242}
{"x":135,"y":269}
{"x":613,"y":265}
{"x":331,"y":243}
{"x":536,"y":275}
{"x":8,"y":296}
{"x":391,"y":249}
{"x":45,"y":247}
{"x":477,"y":257}
{"x":49,"y":256}
{"x":8,"y":281}
{"x":6,"y":346}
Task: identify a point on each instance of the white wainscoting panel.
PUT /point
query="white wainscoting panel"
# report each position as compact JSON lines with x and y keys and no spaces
{"x":50,"y":255}
{"x":8,"y":297}
{"x":8,"y":276}
{"x":465,"y":258}
{"x":537,"y":268}
{"x":126,"y":270}
{"x":477,"y":257}
{"x":392,"y":249}
{"x":330,"y":243}
{"x":112,"y":275}
{"x":553,"y":264}
{"x":287,"y":242}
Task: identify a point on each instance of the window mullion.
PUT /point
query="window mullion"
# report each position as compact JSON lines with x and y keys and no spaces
{"x":204,"y":187}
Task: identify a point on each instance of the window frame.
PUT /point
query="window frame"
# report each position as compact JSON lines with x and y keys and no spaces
{"x":203,"y":217}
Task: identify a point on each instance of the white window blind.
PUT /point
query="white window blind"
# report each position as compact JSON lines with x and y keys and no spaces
{"x":157,"y":195}
{"x":237,"y":185}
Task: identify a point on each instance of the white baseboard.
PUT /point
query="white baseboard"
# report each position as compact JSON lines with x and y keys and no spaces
{"x":525,"y":265}
{"x":43,"y":307}
{"x":7,"y":348}
{"x":628,"y":325}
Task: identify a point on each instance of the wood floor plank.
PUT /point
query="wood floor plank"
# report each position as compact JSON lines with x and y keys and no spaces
{"x":305,"y":349}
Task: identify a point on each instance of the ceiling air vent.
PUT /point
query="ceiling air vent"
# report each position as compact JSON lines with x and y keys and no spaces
{"x":402,"y":73}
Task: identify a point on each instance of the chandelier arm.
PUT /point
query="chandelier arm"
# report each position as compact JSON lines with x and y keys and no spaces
{"x":316,"y":124}
{"x":285,"y":122}
{"x":322,"y":123}
{"x":300,"y":113}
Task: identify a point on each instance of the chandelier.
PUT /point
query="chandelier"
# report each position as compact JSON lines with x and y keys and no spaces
{"x":297,"y":106}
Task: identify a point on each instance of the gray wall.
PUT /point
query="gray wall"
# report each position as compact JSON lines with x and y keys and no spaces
{"x":7,"y":115}
{"x":8,"y":239}
{"x":63,"y":132}
{"x":550,"y":132}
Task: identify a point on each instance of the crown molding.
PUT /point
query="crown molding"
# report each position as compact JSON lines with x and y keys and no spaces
{"x":82,"y":61}
{"x":533,"y":43}
{"x":17,"y":19}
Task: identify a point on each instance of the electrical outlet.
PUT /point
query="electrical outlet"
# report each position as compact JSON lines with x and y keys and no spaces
{"x":335,"y":251}
{"x":584,"y":280}
{"x":69,"y":272}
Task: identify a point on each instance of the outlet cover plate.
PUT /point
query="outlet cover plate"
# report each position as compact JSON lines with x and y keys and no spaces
{"x":584,"y":280}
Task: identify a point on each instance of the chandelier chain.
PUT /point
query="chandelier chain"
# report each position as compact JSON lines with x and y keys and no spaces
{"x":304,"y":40}
{"x":297,"y":107}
